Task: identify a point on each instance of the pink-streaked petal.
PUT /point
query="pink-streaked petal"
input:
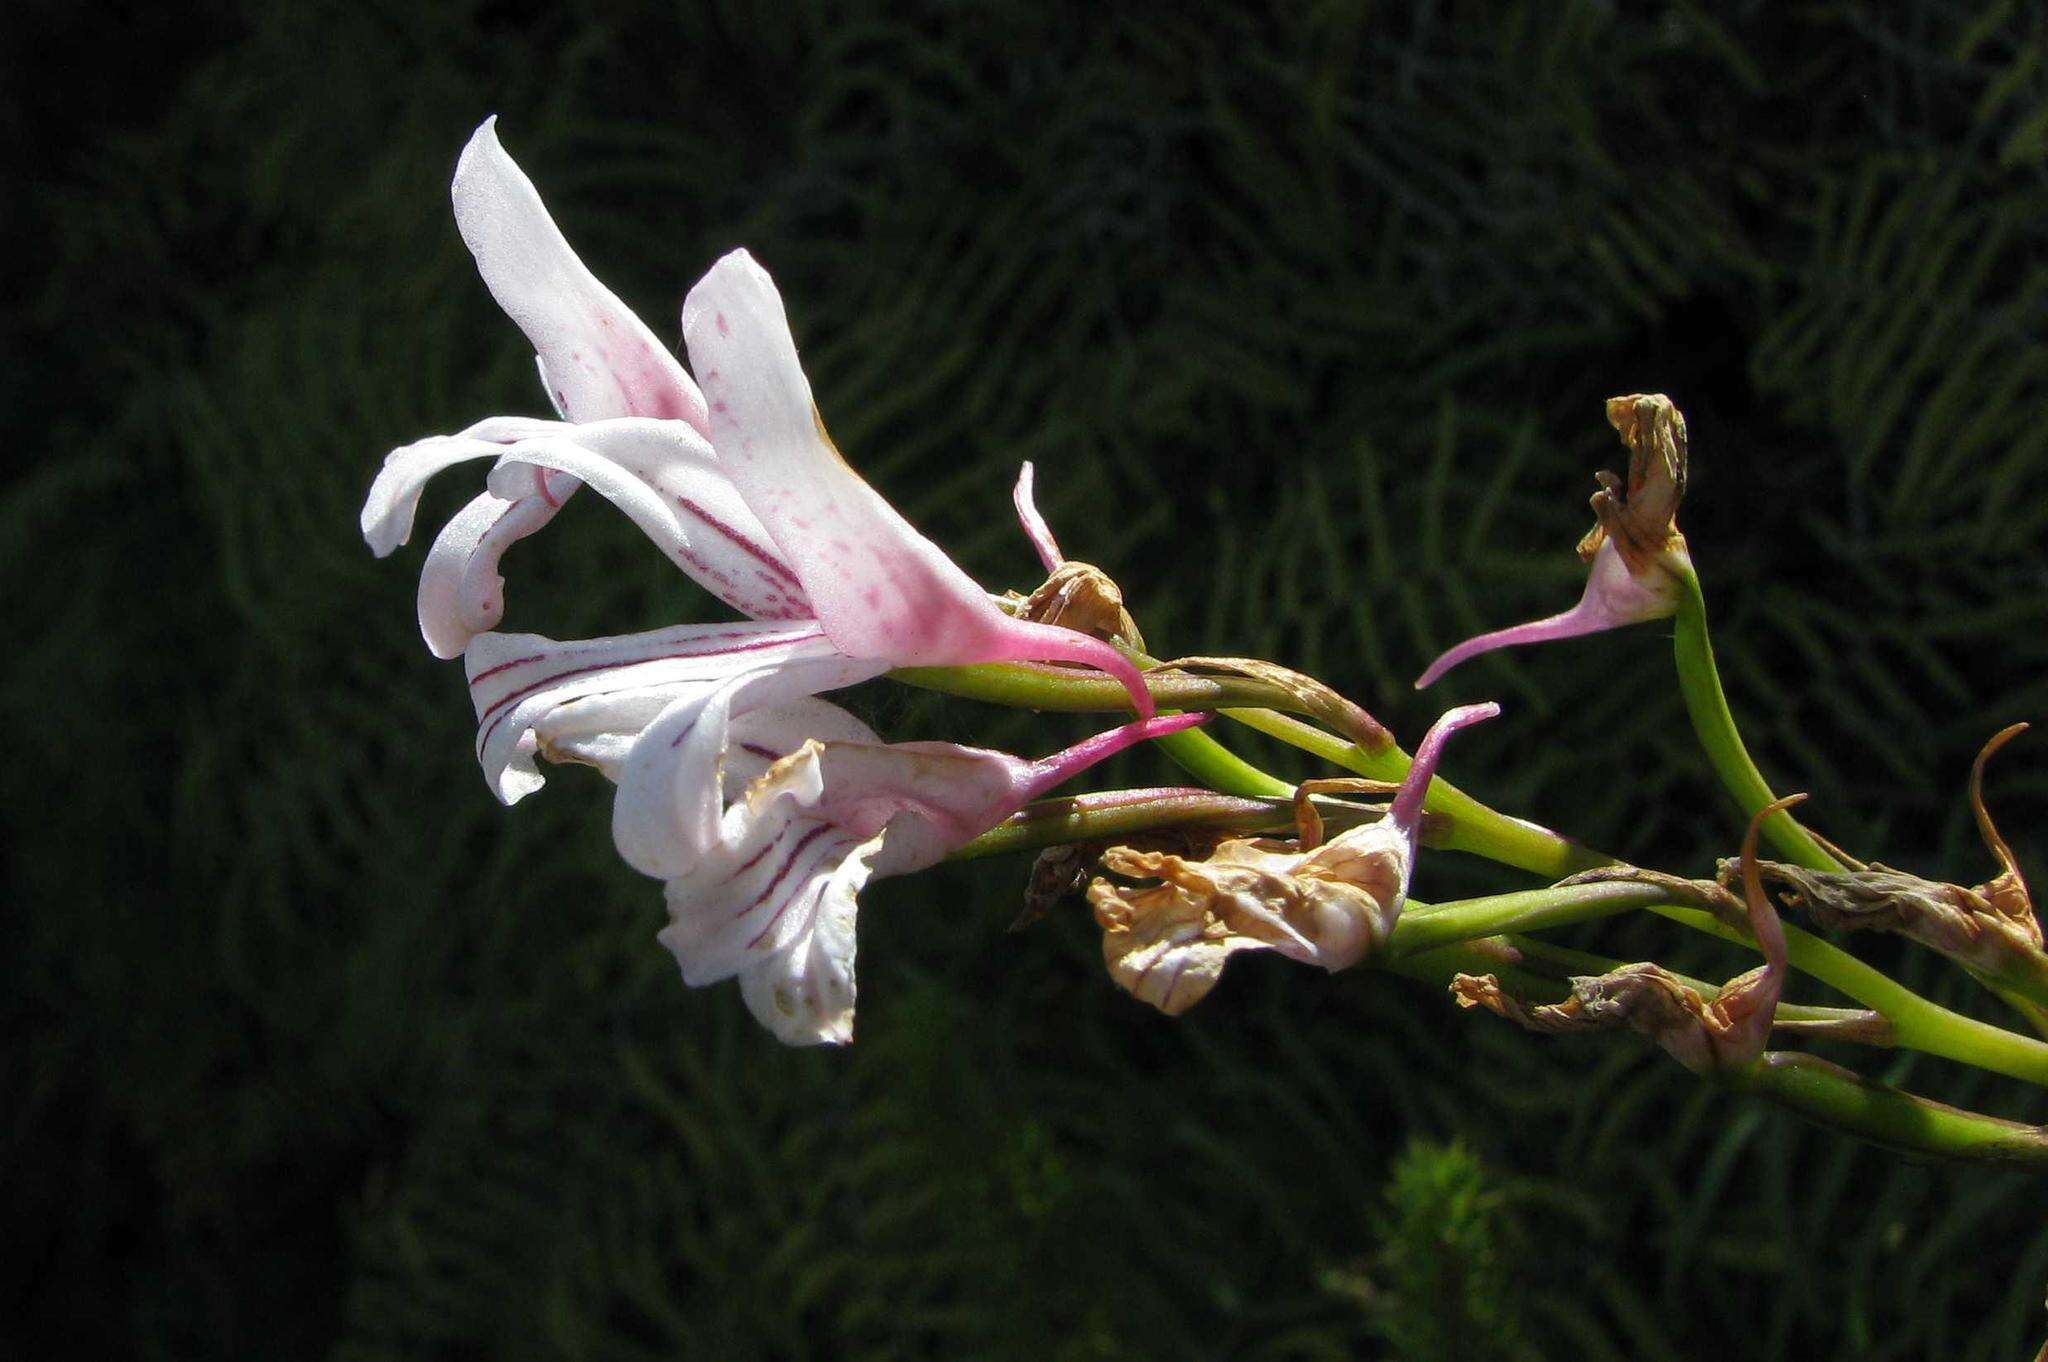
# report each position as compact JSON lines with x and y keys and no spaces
{"x":602,"y":456}
{"x":663,"y":474}
{"x":760,"y":738}
{"x":517,"y":680}
{"x":879,"y":588}
{"x":805,"y":993}
{"x":1613,"y":597}
{"x":725,"y":549}
{"x":754,"y":900}
{"x":601,"y":731}
{"x":597,"y":359}
{"x":1405,"y":812}
{"x":394,"y":496}
{"x":1035,"y":528}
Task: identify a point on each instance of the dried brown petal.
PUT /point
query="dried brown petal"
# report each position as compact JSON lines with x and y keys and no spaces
{"x":1308,"y":820}
{"x":2006,"y":893}
{"x":1331,"y":906}
{"x":1641,"y":516}
{"x":1056,"y":873}
{"x":1060,"y":871}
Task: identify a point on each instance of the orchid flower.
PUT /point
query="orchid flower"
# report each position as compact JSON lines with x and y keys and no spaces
{"x":1633,"y":553}
{"x":738,"y":481}
{"x":765,"y":809}
{"x":1331,"y":905}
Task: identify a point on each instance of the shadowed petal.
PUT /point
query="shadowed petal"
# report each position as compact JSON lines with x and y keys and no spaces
{"x":804,"y":994}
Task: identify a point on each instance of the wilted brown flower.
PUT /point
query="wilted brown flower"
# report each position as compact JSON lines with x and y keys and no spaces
{"x":1082,"y":597}
{"x":1991,"y":927}
{"x":1729,"y":1032}
{"x":1634,"y":553}
{"x":1641,"y":516}
{"x":1331,"y":904}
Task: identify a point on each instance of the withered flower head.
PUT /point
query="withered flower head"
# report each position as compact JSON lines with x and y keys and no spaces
{"x":1990,"y":928}
{"x":1640,"y":517}
{"x":1330,"y":904}
{"x":1634,"y":550}
{"x":1727,"y":1033}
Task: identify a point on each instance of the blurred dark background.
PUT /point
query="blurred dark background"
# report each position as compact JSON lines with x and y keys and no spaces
{"x":1306,"y":313}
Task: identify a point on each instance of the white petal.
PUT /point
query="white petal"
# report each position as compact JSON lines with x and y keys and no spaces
{"x":923,"y":798}
{"x":395,"y":493}
{"x":762,"y":737}
{"x":668,"y":819}
{"x":879,"y":587}
{"x":665,"y":476}
{"x":518,"y":680}
{"x":461,"y":592}
{"x":599,"y":455}
{"x":805,"y":994}
{"x":597,"y":358}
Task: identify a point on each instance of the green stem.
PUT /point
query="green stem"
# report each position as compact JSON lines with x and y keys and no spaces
{"x":1025,"y":685}
{"x":1221,"y":769}
{"x":1022,"y":685}
{"x":1834,"y":1096}
{"x":1423,"y":927}
{"x":1919,"y":1023}
{"x":1699,"y":679}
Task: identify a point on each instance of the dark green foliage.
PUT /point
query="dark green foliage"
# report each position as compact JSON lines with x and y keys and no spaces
{"x":1439,"y":1286}
{"x":1306,"y":313}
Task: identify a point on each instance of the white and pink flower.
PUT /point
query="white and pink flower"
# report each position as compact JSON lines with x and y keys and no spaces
{"x":763,"y":808}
